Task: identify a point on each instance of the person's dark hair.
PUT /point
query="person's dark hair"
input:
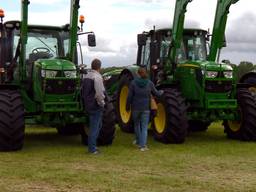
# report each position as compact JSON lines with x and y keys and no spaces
{"x":96,"y":64}
{"x":142,"y":71}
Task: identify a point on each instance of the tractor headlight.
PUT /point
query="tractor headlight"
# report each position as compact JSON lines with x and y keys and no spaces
{"x":48,"y":73}
{"x":211,"y":74}
{"x":70,"y":74}
{"x":228,"y":74}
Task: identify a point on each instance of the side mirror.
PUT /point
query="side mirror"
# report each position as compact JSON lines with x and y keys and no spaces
{"x":141,"y":39}
{"x":91,"y":40}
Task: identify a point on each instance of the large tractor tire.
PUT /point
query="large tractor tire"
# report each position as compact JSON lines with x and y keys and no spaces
{"x":245,"y":128}
{"x":196,"y":126}
{"x":108,"y":129}
{"x":170,"y":124}
{"x":124,"y":117}
{"x":12,"y":123}
{"x":107,"y":132}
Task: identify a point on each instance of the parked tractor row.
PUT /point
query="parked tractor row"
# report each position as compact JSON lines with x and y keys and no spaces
{"x":40,"y":80}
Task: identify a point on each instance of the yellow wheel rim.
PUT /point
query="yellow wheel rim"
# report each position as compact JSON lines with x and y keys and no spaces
{"x":252,"y":90}
{"x":234,"y":125}
{"x":160,"y":119}
{"x":125,"y":115}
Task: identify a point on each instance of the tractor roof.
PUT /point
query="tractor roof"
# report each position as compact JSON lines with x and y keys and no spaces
{"x":168,"y":30}
{"x":17,"y":25}
{"x":185,"y":29}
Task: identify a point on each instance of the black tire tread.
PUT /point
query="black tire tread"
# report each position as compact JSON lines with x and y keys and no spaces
{"x":247,"y":103}
{"x":107,"y":132}
{"x":177,"y":123}
{"x":12,"y":123}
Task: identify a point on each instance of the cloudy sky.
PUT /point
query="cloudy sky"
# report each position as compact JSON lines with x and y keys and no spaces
{"x":117,"y":22}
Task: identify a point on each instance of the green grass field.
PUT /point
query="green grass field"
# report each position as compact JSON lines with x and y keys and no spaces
{"x":207,"y":161}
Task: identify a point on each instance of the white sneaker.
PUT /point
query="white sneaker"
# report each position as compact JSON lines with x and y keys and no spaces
{"x":144,"y":148}
{"x":135,"y":143}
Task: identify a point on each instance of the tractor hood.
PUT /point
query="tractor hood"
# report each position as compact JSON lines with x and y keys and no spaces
{"x":56,"y":64}
{"x":213,"y":66}
{"x":207,"y":65}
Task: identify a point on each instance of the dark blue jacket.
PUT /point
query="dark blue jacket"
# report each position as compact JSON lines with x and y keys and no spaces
{"x":93,"y":91}
{"x":139,"y":95}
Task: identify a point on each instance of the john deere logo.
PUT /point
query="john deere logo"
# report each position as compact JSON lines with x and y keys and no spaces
{"x":60,"y":82}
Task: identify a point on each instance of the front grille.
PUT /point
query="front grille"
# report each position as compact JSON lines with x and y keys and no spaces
{"x":218,"y":86}
{"x":55,"y":86}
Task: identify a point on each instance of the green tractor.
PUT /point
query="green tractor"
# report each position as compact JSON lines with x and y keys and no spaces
{"x":40,"y":80}
{"x":197,"y":88}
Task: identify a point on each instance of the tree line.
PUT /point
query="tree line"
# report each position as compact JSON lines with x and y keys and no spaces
{"x":243,"y":67}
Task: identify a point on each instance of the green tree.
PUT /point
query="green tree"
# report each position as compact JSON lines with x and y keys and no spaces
{"x":244,"y":67}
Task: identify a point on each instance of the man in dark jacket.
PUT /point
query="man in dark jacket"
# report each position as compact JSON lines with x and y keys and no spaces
{"x":139,"y":96}
{"x":93,"y":93}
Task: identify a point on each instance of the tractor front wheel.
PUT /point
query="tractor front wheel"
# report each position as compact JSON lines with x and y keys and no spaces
{"x":170,"y":124}
{"x":245,"y":128}
{"x":12,"y":123}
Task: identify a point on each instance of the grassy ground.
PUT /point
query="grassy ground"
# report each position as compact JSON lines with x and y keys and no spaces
{"x":205,"y":162}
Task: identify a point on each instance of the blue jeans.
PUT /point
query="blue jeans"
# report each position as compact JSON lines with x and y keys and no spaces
{"x":141,"y":120}
{"x":95,"y":123}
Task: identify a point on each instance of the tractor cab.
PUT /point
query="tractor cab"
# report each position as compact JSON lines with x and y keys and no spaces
{"x":154,"y":46}
{"x":43,"y":43}
{"x":154,"y":50}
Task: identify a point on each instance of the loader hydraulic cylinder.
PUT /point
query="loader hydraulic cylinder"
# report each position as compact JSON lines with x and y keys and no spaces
{"x":177,"y":31}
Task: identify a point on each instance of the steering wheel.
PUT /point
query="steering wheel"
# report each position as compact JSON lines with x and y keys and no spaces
{"x":41,"y":49}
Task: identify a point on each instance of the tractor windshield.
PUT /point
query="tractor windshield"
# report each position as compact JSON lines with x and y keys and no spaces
{"x":192,"y":48}
{"x":45,"y":43}
{"x":195,"y":47}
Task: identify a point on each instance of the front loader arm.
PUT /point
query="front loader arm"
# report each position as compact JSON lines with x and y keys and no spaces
{"x":219,"y":27}
{"x":74,"y":7}
{"x":177,"y":31}
{"x":23,"y":37}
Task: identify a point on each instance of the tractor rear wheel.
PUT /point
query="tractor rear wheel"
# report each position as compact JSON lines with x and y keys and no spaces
{"x":245,"y":128}
{"x":12,"y":123}
{"x":107,"y":132}
{"x":124,"y":117}
{"x":197,"y":125}
{"x":170,"y":124}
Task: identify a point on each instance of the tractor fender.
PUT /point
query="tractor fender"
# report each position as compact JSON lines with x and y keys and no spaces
{"x":130,"y":71}
{"x":248,"y":80}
